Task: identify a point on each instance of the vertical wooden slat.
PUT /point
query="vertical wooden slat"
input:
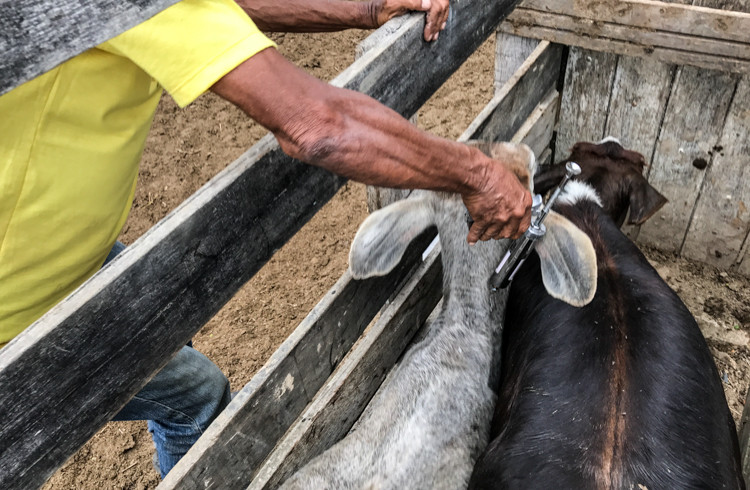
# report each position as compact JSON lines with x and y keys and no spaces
{"x":510,"y":53}
{"x":639,"y":98}
{"x":585,"y":98}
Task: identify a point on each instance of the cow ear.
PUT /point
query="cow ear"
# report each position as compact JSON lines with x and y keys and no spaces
{"x":644,"y":200}
{"x":384,"y":235}
{"x":568,"y":261}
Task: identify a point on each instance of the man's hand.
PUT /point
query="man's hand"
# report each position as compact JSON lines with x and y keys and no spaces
{"x":437,"y":13}
{"x":355,"y":136}
{"x":501,"y":208}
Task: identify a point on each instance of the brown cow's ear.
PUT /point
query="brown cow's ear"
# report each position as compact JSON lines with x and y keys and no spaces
{"x":644,"y":200}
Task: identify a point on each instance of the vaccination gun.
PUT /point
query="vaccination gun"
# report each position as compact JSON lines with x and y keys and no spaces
{"x":523,"y":246}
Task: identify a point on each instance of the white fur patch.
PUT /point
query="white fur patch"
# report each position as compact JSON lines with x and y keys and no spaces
{"x":610,"y":138}
{"x":576,"y":191}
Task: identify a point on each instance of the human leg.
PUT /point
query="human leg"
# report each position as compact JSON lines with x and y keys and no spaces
{"x":179,"y":402}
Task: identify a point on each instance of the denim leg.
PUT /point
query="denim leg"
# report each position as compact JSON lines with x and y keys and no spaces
{"x":179,"y":402}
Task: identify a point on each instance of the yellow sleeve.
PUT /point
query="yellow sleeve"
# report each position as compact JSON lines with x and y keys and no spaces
{"x":190,"y":45}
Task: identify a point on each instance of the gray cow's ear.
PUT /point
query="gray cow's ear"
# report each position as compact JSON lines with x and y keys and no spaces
{"x":383,"y":237}
{"x":568,"y":261}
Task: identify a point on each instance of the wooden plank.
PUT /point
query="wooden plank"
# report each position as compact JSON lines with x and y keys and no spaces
{"x":341,"y":401}
{"x":511,"y":106}
{"x":538,"y":129}
{"x":744,"y":435}
{"x":645,"y":37}
{"x":510,"y":53}
{"x":607,"y":45}
{"x":37,"y":36}
{"x":637,"y":105}
{"x":675,"y":17}
{"x":589,"y":77}
{"x":721,"y":220}
{"x":743,"y":266}
{"x":343,"y":398}
{"x":97,"y":348}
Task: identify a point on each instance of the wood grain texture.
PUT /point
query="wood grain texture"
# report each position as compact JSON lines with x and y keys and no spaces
{"x":510,"y":53}
{"x":537,"y":130}
{"x":743,"y":267}
{"x":666,"y":34}
{"x":690,"y":133}
{"x":691,"y":129}
{"x":637,"y":105}
{"x":99,"y":346}
{"x":589,"y":77}
{"x":608,"y":45}
{"x":727,"y":21}
{"x":721,"y":220}
{"x":37,"y":36}
{"x":345,"y":395}
{"x":512,"y":105}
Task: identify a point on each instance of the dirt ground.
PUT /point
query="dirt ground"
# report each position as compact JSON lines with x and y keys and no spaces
{"x":187,"y":147}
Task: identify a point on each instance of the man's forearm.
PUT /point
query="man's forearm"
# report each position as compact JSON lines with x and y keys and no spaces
{"x":355,"y":136}
{"x":310,"y":15}
{"x":345,"y":131}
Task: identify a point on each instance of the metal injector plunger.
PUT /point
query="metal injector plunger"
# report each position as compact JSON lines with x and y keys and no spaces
{"x":522,"y":247}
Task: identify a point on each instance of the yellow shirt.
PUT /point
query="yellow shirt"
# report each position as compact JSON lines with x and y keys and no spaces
{"x":71,"y":140}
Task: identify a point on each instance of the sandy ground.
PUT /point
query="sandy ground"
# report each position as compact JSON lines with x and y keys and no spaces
{"x":187,"y":147}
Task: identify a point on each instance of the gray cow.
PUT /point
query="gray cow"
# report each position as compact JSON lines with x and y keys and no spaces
{"x":429,"y":422}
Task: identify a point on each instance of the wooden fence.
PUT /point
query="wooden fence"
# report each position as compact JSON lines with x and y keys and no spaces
{"x":89,"y":355}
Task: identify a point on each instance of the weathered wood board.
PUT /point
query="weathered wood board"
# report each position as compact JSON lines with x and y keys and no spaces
{"x":37,"y":36}
{"x":538,"y":129}
{"x":99,"y":346}
{"x":721,"y":220}
{"x":585,"y":99}
{"x":637,"y":105}
{"x":344,"y":396}
{"x":509,"y":108}
{"x":669,"y":32}
{"x":510,"y":53}
{"x":710,"y":21}
{"x":689,"y":135}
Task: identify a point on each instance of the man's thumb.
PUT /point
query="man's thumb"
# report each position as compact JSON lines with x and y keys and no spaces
{"x":426,"y":4}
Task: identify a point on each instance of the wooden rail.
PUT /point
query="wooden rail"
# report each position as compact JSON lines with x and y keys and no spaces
{"x":36,"y":36}
{"x":90,"y":354}
{"x":668,"y":32}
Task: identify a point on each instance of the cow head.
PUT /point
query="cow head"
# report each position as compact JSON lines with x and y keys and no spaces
{"x":616,"y":174}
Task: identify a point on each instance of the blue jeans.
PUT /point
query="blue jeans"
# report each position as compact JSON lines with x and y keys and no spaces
{"x":179,"y":402}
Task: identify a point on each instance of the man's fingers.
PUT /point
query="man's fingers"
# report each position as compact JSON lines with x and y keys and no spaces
{"x":437,"y":18}
{"x":475,"y":232}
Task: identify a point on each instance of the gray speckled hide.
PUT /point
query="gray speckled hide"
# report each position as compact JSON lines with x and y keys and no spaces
{"x":429,"y":422}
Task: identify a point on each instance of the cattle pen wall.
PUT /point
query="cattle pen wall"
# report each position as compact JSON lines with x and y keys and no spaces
{"x":91,"y":353}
